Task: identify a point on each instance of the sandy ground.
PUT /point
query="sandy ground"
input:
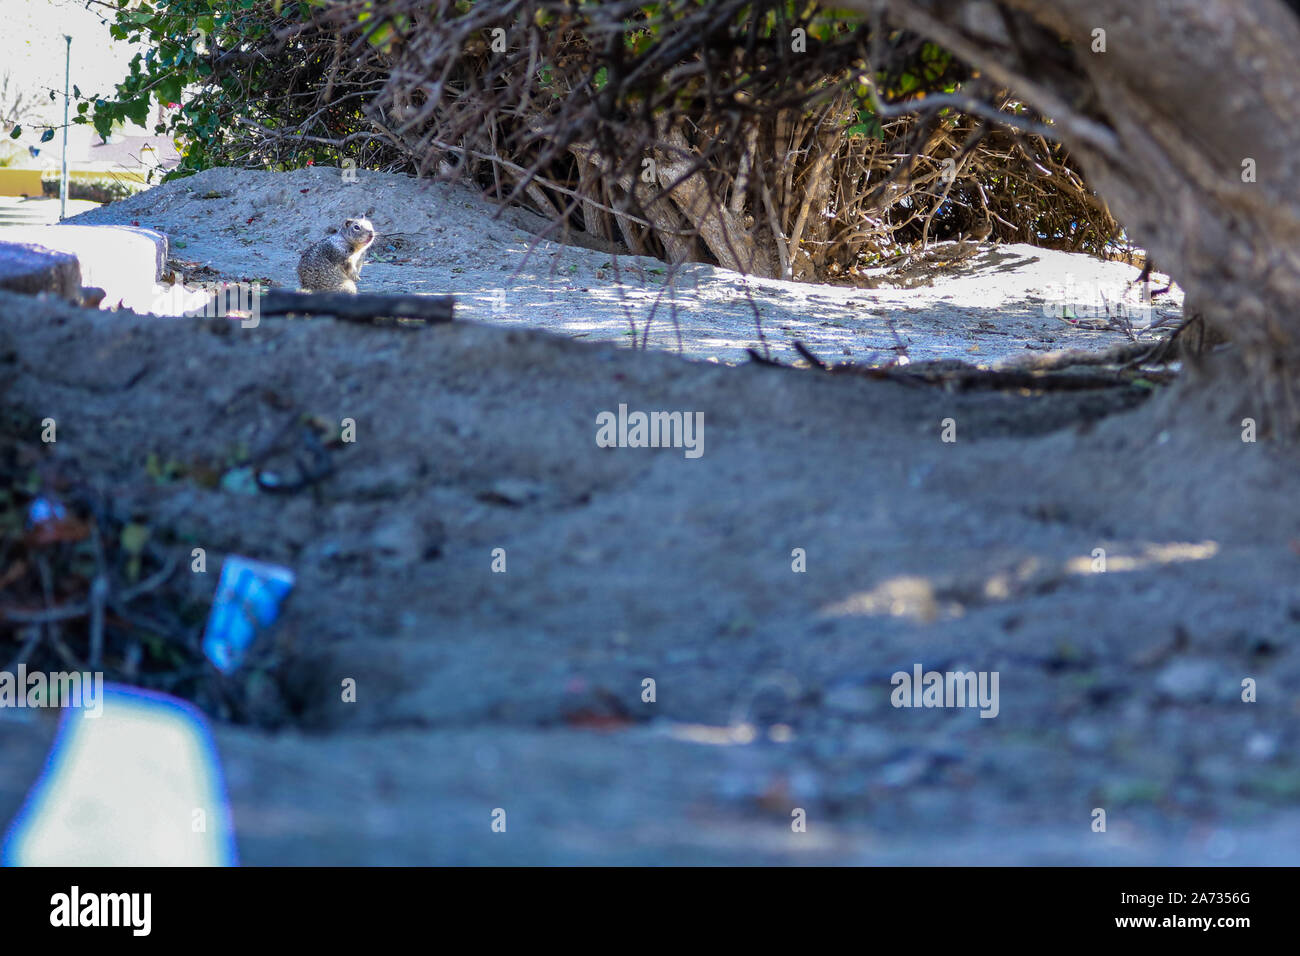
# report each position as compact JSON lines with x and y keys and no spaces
{"x":523,"y":690}
{"x":989,"y":303}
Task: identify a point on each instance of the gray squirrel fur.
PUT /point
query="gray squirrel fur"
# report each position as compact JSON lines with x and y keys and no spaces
{"x":334,"y":264}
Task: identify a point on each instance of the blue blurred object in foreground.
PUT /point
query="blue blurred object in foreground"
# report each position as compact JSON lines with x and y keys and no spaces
{"x":247,"y":602}
{"x":44,"y":509}
{"x":139,"y":785}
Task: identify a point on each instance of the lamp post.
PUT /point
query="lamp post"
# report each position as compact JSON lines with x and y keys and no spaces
{"x":63,"y":178}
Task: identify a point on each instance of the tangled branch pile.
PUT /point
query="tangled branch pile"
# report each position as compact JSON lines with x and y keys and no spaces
{"x":756,"y":135}
{"x":84,"y":589}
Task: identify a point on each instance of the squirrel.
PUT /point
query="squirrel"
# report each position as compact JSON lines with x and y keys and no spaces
{"x":334,"y":264}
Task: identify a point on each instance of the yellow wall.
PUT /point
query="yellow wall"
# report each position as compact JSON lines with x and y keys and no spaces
{"x":27,"y":182}
{"x":20,"y":182}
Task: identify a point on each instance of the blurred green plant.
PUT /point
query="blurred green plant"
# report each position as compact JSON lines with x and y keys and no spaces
{"x":103,"y":189}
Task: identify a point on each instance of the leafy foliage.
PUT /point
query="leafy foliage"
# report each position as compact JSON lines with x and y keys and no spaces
{"x":575,"y":93}
{"x":180,"y":40}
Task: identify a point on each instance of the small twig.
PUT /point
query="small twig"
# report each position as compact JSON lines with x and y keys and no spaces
{"x":99,"y":592}
{"x":35,"y":633}
{"x":286,"y":134}
{"x":808,"y":356}
{"x":67,"y":612}
{"x":1124,"y":354}
{"x":151,"y":583}
{"x":1068,"y":121}
{"x":758,"y":359}
{"x":47,"y":595}
{"x":65,"y":654}
{"x":966,"y":104}
{"x":70,"y":612}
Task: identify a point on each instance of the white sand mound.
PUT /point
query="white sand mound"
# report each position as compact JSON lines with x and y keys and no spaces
{"x":981,"y":304}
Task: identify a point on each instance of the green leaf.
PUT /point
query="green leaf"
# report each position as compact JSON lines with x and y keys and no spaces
{"x":134,"y":537}
{"x":137,"y":111}
{"x":18,"y":131}
{"x":169,"y":90}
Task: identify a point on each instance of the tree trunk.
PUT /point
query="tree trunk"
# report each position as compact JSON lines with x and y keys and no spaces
{"x":1188,"y":99}
{"x":720,"y":229}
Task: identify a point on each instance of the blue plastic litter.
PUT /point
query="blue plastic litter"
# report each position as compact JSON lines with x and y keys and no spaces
{"x":44,"y":509}
{"x":248,"y":600}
